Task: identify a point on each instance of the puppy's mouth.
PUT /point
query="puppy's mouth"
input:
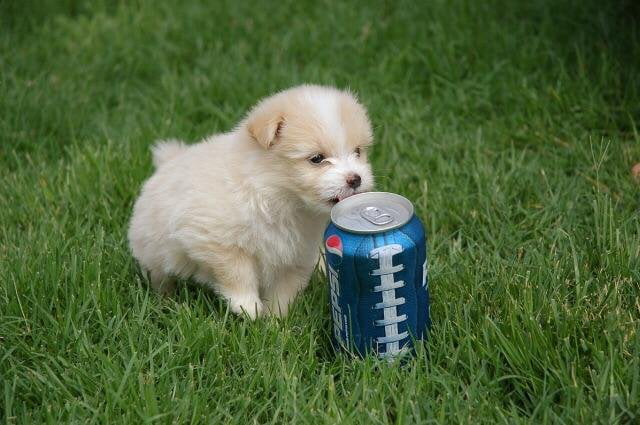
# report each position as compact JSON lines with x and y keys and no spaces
{"x":337,"y":199}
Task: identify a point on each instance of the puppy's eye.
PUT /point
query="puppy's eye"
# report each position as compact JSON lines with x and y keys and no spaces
{"x":317,"y":158}
{"x":357,"y":152}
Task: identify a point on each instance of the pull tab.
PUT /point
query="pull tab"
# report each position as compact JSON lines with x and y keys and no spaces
{"x":376,"y":216}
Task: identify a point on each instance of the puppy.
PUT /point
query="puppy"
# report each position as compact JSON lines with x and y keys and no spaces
{"x":244,"y":212}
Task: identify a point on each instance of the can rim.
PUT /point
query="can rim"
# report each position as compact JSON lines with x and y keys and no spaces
{"x":341,"y":206}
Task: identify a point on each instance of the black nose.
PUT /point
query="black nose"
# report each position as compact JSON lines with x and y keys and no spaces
{"x":354,"y":180}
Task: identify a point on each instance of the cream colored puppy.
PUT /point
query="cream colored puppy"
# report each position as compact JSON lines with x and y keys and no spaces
{"x":244,"y":212}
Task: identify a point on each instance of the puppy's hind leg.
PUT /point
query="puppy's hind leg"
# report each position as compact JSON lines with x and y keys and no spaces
{"x":161,"y":282}
{"x":233,"y":275}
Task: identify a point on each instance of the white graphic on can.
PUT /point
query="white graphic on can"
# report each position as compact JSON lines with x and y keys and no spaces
{"x":336,"y":311}
{"x":424,"y":273}
{"x":388,"y":286}
{"x":425,"y":284}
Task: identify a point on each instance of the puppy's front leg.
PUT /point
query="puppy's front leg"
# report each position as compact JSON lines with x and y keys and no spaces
{"x":280,"y":294}
{"x":237,"y":281}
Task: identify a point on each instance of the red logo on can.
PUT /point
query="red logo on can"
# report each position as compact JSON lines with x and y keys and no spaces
{"x":334,"y":245}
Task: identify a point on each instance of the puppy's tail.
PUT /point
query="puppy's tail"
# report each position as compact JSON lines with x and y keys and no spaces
{"x":165,"y":150}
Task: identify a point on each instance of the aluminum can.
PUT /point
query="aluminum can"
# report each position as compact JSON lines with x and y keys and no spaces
{"x":376,"y":263}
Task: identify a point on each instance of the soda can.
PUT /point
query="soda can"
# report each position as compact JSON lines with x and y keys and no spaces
{"x":376,"y":263}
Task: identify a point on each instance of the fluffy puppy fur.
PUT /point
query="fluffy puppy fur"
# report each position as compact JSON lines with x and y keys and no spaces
{"x":243,"y":212}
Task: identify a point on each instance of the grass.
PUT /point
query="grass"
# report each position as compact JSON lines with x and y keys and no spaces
{"x":511,"y":125}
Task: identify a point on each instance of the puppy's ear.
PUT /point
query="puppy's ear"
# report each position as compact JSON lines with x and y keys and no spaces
{"x":264,"y":124}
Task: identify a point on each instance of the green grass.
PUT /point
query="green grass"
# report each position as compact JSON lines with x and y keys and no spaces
{"x":511,"y":125}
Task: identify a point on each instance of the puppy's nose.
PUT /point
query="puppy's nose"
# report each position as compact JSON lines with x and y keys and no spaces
{"x":354,"y":180}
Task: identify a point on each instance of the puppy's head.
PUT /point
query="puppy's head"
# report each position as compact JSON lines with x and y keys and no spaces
{"x":318,"y":139}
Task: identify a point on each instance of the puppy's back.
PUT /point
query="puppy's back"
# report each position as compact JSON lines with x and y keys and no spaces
{"x":166,"y":150}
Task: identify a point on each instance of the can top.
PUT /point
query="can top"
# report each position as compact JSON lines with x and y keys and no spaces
{"x":372,"y":212}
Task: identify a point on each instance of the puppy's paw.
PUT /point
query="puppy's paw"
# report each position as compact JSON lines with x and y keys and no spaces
{"x":251,"y":305}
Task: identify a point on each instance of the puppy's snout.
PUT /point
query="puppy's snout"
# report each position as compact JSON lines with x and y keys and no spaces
{"x":354,"y":180}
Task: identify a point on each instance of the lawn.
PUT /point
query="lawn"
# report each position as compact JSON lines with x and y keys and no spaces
{"x":512,"y":126}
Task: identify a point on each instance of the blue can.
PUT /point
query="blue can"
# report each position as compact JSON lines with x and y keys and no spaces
{"x":376,"y":263}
